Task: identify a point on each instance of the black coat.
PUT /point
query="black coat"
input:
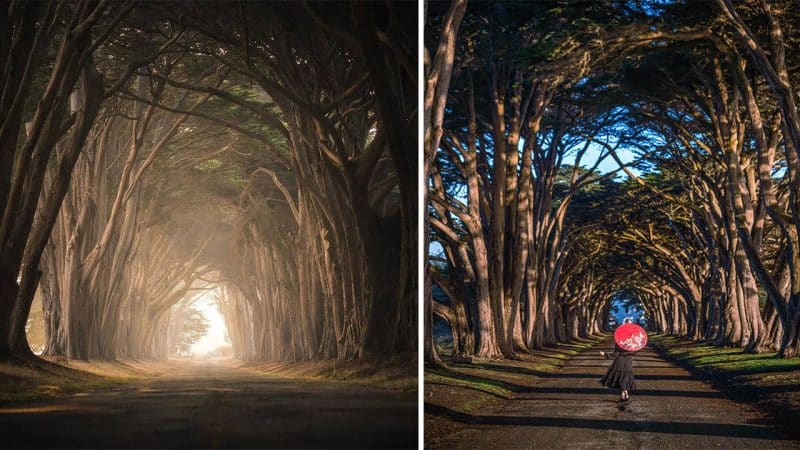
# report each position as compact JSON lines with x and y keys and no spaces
{"x":620,"y":374}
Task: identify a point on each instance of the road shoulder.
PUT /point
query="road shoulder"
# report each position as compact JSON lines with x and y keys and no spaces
{"x":462,"y":389}
{"x":764,"y":381}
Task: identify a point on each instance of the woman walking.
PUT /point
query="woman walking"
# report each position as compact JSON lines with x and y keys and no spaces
{"x":620,"y":374}
{"x":628,"y":340}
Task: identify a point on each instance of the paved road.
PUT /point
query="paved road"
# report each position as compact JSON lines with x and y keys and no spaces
{"x":570,"y":409}
{"x":218,"y":406}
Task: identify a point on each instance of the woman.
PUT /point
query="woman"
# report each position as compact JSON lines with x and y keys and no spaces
{"x":620,"y":374}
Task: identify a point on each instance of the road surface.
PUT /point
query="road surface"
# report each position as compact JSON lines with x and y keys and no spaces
{"x":216,"y":405}
{"x":670,"y":409}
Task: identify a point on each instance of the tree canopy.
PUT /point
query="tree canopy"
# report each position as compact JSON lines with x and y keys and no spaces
{"x":596,"y":148}
{"x":150,"y":151}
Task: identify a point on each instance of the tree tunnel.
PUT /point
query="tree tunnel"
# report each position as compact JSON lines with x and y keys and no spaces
{"x":178,"y":152}
{"x":583,"y":151}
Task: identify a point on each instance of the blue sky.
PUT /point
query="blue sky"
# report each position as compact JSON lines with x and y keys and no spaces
{"x":608,"y":164}
{"x":589,"y":158}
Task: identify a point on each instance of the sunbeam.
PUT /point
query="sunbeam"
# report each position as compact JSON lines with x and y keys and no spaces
{"x":215,"y":341}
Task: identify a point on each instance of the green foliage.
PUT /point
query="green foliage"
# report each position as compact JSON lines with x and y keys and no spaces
{"x":208,"y":166}
{"x":190,"y":325}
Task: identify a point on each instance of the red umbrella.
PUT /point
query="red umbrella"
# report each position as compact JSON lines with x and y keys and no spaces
{"x":630,"y":337}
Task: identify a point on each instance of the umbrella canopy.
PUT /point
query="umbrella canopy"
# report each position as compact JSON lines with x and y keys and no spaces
{"x":630,"y":337}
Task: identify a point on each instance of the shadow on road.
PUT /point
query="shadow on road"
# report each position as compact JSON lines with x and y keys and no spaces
{"x":683,"y":428}
{"x":636,"y":392}
{"x":202,"y":405}
{"x":540,"y":374}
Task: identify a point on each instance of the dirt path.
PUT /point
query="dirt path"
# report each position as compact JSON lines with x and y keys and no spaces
{"x":570,"y":409}
{"x":218,"y":406}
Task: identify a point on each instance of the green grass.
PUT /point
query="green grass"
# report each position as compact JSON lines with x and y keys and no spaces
{"x":469,"y":386}
{"x":734,"y":361}
{"x":394,"y":373}
{"x":51,"y":389}
{"x":20,"y":383}
{"x":486,"y":385}
{"x":546,"y":367}
{"x":584,"y":344}
{"x":574,"y":348}
{"x":478,"y":386}
{"x":767,"y":382}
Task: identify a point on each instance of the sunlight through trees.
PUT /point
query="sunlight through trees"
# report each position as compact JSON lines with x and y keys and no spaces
{"x":151,"y":153}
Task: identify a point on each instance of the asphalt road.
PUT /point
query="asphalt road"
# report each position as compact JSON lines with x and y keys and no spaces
{"x":570,"y":409}
{"x":212,"y":405}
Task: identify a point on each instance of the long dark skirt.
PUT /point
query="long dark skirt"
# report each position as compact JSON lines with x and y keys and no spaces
{"x":620,"y":374}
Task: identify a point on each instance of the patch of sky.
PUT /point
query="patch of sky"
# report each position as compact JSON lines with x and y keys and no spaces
{"x":606,"y":164}
{"x":435,"y":250}
{"x":625,"y":306}
{"x":779,"y":172}
{"x":654,"y":8}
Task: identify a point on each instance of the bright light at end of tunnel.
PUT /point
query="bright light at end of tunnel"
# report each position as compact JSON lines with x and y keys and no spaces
{"x":215,"y":336}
